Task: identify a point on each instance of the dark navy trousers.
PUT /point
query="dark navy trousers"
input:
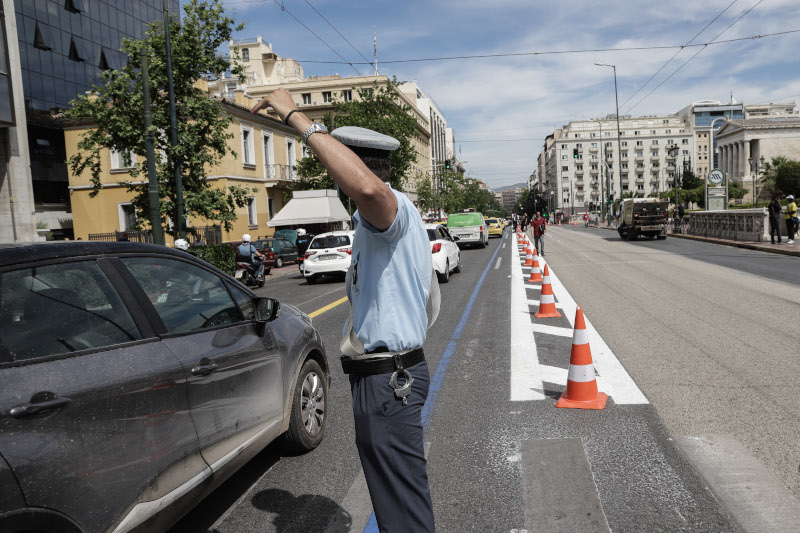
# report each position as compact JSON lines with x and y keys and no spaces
{"x":390,"y":443}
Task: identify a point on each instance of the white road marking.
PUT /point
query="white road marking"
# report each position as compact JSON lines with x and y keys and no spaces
{"x":526,"y":383}
{"x":497,"y":265}
{"x":527,"y":375}
{"x":504,"y":245}
{"x":605,"y":263}
{"x":552,"y":330}
{"x":532,"y":286}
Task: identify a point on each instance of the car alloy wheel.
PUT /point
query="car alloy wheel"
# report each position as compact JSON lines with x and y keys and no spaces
{"x":309,"y":403}
{"x":278,"y":263}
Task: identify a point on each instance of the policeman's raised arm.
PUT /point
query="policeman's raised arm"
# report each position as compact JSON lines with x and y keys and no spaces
{"x":375,"y":200}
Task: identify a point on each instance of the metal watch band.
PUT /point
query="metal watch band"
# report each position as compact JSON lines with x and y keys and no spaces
{"x":314,"y":128}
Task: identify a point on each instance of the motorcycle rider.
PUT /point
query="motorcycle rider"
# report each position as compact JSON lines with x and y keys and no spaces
{"x":247,"y":253}
{"x":181,"y":244}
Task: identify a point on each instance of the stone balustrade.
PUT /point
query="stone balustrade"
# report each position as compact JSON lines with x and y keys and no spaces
{"x":734,"y":224}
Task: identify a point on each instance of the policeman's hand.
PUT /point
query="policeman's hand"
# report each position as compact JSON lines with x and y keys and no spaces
{"x":280,"y":100}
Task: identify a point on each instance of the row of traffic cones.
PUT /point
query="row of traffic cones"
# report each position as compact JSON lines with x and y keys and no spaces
{"x":581,"y":391}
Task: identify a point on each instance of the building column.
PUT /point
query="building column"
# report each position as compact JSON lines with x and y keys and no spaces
{"x":746,"y":158}
{"x":722,"y":158}
{"x":729,"y":159}
{"x":15,"y":167}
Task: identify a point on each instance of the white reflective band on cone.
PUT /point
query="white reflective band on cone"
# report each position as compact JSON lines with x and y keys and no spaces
{"x":580,"y":336}
{"x":547,"y":299}
{"x":546,"y":279}
{"x":581,"y":373}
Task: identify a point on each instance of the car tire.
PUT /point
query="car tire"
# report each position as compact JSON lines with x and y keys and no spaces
{"x":457,"y":269}
{"x":309,"y":414}
{"x":278,"y":262}
{"x":482,"y":244}
{"x":311,"y":279}
{"x":444,"y":277}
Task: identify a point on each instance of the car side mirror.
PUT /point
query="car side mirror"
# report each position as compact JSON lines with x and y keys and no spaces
{"x":456,"y":238}
{"x":266,"y":309}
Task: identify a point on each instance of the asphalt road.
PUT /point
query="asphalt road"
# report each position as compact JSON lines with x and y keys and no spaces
{"x":705,"y":345}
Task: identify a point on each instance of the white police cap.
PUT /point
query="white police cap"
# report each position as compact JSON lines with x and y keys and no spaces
{"x":364,"y":138}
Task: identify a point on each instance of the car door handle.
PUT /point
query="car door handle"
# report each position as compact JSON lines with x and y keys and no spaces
{"x":204,"y":370}
{"x":36,"y":407}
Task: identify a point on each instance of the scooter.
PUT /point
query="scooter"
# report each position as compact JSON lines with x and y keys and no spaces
{"x":246,"y":273}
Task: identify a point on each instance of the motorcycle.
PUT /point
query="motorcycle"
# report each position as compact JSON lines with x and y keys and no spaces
{"x":246,"y":273}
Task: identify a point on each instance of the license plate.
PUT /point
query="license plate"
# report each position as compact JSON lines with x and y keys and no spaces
{"x":328,"y":257}
{"x":238,"y":274}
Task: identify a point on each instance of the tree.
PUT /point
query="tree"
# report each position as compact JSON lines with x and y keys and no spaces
{"x":115,"y":109}
{"x":787,"y":178}
{"x":455,"y":193}
{"x":770,"y":172}
{"x":378,"y":109}
{"x":530,"y":202}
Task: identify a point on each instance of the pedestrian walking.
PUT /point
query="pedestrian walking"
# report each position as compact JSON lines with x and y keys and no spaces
{"x":774,"y":210}
{"x":539,"y":228}
{"x":586,"y":220}
{"x":524,"y":222}
{"x":791,"y":219}
{"x":388,"y":284}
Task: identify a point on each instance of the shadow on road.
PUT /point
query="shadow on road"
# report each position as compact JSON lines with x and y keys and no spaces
{"x":289,"y":510}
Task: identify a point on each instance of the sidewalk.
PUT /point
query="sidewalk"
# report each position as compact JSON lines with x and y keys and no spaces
{"x":783,"y":249}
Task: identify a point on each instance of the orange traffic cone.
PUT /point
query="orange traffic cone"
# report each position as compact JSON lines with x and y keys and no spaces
{"x":581,"y":392}
{"x":536,"y":274}
{"x":547,"y":302}
{"x":528,"y":256}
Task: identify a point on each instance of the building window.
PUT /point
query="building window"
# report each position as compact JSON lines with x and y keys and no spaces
{"x":347,"y":95}
{"x":639,"y":143}
{"x":668,"y":132}
{"x":271,"y":208}
{"x":686,"y":152}
{"x":245,"y":54}
{"x":306,"y":98}
{"x":564,"y":168}
{"x":624,"y":143}
{"x":269,"y":171}
{"x":636,"y":132}
{"x":326,"y":96}
{"x":652,"y":132}
{"x":624,"y":165}
{"x":122,"y":160}
{"x":579,"y":145}
{"x":685,"y":141}
{"x":655,"y":141}
{"x":74,"y":6}
{"x":592,"y":135}
{"x":78,"y":51}
{"x":247,"y":146}
{"x":127,"y":216}
{"x":291,"y":156}
{"x":577,"y":135}
{"x":252,"y":213}
{"x":230,"y":87}
{"x":563,"y":146}
{"x":42,"y":39}
{"x":564,"y":157}
{"x":594,"y":145}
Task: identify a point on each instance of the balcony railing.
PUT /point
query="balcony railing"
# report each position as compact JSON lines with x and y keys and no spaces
{"x":639,"y":158}
{"x":594,"y":171}
{"x":280,"y":172}
{"x":593,"y":149}
{"x":579,"y":172}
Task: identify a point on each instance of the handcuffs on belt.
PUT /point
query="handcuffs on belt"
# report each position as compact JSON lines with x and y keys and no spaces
{"x":401,"y":391}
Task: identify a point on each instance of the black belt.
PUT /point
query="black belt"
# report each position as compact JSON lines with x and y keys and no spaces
{"x":382,"y":365}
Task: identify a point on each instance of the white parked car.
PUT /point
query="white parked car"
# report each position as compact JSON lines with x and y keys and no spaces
{"x":445,"y":252}
{"x":328,"y":253}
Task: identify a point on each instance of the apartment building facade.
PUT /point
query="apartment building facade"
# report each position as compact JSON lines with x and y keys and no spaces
{"x":266,"y":148}
{"x":316,"y":95}
{"x":586,"y":163}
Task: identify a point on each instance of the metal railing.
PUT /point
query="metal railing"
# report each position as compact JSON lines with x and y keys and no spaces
{"x":733,"y":224}
{"x":210,"y":235}
{"x":132,"y":236}
{"x":202,"y":234}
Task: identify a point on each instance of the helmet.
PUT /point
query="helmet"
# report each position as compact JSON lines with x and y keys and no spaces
{"x":301,"y":231}
{"x":246,"y":237}
{"x":181,"y":244}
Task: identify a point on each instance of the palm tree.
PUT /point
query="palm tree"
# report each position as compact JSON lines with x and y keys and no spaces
{"x":770,"y":172}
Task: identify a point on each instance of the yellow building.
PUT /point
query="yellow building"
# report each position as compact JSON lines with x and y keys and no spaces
{"x":266,"y":149}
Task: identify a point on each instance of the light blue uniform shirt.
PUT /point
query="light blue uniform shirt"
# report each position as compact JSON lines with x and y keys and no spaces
{"x":391,"y":277}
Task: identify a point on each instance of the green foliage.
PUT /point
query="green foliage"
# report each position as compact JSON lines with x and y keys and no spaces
{"x":787,"y":178}
{"x":116,"y":110}
{"x":378,"y":109}
{"x":221,"y":256}
{"x":736,"y":190}
{"x":455,"y":192}
{"x":530,"y":202}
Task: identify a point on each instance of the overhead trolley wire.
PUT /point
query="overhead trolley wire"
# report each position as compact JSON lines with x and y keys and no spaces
{"x":695,"y":55}
{"x":568,"y":51}
{"x":676,"y":53}
{"x":340,"y":34}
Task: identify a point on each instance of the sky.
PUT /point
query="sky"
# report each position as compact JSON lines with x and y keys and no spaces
{"x":502,"y":108}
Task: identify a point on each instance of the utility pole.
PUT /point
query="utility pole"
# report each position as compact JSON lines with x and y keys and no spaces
{"x":152,"y":177}
{"x":173,"y":122}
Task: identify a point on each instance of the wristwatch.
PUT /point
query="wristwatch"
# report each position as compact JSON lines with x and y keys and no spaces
{"x":312,"y":129}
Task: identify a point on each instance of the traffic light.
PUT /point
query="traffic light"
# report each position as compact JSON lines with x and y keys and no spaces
{"x":610,"y":199}
{"x":575,"y":153}
{"x":447,"y":164}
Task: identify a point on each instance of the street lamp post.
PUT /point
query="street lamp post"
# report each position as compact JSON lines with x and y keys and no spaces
{"x":619,"y":136}
{"x":755,"y":167}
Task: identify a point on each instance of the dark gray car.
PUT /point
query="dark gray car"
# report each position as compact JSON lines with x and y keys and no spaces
{"x":136,"y":379}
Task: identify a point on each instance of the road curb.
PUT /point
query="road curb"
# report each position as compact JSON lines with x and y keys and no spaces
{"x":745,"y":245}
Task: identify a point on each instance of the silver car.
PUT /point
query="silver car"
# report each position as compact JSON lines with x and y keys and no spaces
{"x":136,"y":379}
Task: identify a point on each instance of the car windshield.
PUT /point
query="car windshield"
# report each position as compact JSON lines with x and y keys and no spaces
{"x":432,"y":234}
{"x":330,"y":241}
{"x":288,"y":234}
{"x":464,"y":219}
{"x":491,"y":221}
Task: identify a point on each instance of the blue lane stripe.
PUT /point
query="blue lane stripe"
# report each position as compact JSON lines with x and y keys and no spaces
{"x":444,"y":363}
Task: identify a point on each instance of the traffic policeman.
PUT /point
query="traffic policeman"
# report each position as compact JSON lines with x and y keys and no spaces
{"x":389,"y":284}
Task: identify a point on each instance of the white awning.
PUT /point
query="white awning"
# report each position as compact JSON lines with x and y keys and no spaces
{"x":311,"y":207}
